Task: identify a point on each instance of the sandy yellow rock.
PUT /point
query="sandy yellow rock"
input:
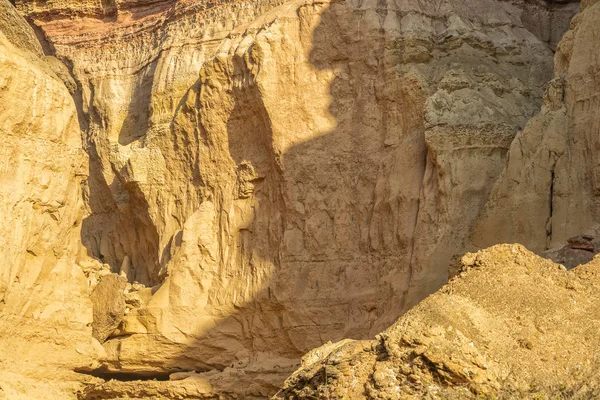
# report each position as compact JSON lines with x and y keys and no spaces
{"x":45,"y":311}
{"x":508,"y":310}
{"x":546,"y":194}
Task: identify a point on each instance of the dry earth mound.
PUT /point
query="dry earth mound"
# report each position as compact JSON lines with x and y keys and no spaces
{"x":511,"y":324}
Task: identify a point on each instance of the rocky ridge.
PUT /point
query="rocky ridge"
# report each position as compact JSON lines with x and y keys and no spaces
{"x":510,"y":325}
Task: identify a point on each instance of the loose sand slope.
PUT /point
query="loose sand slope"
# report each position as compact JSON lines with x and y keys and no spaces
{"x":510,"y":324}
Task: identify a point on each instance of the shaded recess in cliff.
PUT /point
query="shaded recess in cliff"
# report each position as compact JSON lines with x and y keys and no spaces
{"x":118,"y":224}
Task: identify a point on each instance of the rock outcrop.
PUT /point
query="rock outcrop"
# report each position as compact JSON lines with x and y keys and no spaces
{"x":510,"y":325}
{"x":108,"y":298}
{"x":45,"y":310}
{"x":548,"y":191}
{"x":281,"y":186}
{"x":450,"y":346}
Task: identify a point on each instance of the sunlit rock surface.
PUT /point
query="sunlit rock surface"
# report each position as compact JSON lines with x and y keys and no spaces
{"x":508,"y":310}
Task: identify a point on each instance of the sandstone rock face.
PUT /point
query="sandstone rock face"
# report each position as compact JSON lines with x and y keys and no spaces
{"x":109,"y":306}
{"x":45,"y":311}
{"x":548,"y":191}
{"x":267,"y":175}
{"x":549,"y":20}
{"x":284,"y":187}
{"x":448,"y":346}
{"x":511,"y":325}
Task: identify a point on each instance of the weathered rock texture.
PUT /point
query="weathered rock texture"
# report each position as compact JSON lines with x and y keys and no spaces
{"x":45,"y":311}
{"x":267,"y":175}
{"x":108,"y":298}
{"x":511,"y":325}
{"x":283,"y":187}
{"x":450,"y":345}
{"x":549,"y":189}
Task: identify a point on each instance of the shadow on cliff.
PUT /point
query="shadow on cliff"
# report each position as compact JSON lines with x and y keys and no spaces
{"x":136,"y":123}
{"x":119,"y":224}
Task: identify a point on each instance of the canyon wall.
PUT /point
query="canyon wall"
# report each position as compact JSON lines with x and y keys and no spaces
{"x":45,"y":310}
{"x":546,"y":194}
{"x":548,"y":191}
{"x":261,"y":177}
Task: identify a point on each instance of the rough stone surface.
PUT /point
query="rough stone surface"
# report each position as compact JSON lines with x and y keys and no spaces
{"x":109,"y":307}
{"x":579,"y":250}
{"x":510,"y":325}
{"x":45,"y":311}
{"x":298,"y":169}
{"x":508,"y":310}
{"x":548,"y":191}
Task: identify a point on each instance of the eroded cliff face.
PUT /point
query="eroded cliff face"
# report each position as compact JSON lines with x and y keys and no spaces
{"x":448,"y":346}
{"x":548,"y":192}
{"x":45,"y":311}
{"x":269,"y":176}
